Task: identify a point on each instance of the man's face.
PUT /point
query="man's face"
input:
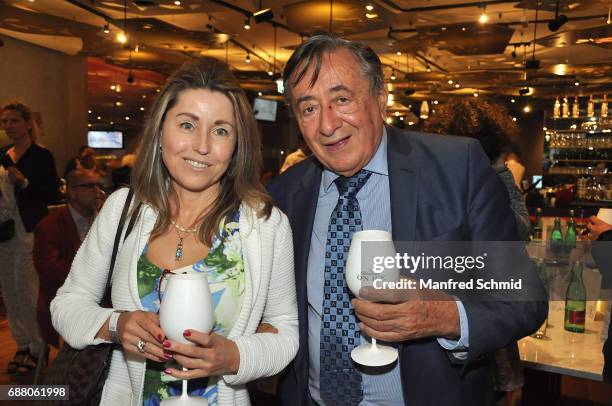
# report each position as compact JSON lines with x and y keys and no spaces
{"x":85,"y":192}
{"x":340,"y":119}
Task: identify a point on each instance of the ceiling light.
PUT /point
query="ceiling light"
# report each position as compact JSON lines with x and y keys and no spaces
{"x":248,"y":58}
{"x":99,"y":118}
{"x":608,"y":21}
{"x":396,"y":114}
{"x":424,"y":110}
{"x":399,"y":53}
{"x":428,"y":69}
{"x":435,"y":102}
{"x":443,"y":28}
{"x":112,"y":87}
{"x":527,"y":109}
{"x":88,"y":125}
{"x":483,"y":16}
{"x":463,"y":28}
{"x":121,"y":38}
{"x":450,"y":81}
{"x":270,"y":73}
{"x":512,"y":101}
{"x":576,"y":83}
{"x":476,"y":93}
{"x":523,"y":91}
{"x":457,"y":85}
{"x":118,"y":88}
{"x":555,"y":24}
{"x":247,"y":24}
{"x":177,"y":3}
{"x":393,"y":75}
{"x":371,"y":15}
{"x":259,"y":94}
{"x":369,"y":7}
{"x":142,"y":109}
{"x":389,"y":120}
{"x":106,"y":28}
{"x":118,"y":104}
{"x":263,"y":15}
{"x":89,"y":111}
{"x":514,"y":119}
{"x":127,"y":117}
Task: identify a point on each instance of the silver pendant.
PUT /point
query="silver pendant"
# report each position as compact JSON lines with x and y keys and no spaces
{"x":178,"y":255}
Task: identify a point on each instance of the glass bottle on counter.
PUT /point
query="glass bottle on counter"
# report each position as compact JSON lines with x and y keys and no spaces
{"x":556,"y":238}
{"x":575,"y":301}
{"x":542,"y":273}
{"x":537,"y":225}
{"x":570,"y":233}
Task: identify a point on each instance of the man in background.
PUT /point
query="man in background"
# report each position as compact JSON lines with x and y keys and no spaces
{"x":58,"y":237}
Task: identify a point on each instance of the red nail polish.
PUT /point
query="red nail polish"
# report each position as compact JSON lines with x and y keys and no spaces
{"x":187,"y":333}
{"x":167,"y":356}
{"x":166,"y":344}
{"x":168,"y":371}
{"x":160,"y":338}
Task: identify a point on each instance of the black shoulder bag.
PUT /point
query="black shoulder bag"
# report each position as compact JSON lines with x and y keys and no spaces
{"x":85,"y":371}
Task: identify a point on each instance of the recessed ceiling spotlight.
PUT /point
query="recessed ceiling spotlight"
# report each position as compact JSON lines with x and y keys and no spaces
{"x":121,"y":38}
{"x":428,"y":69}
{"x":483,"y":18}
{"x":127,"y":118}
{"x":393,"y":75}
{"x":99,"y":118}
{"x":270,"y":73}
{"x":177,"y":3}
{"x":399,"y":53}
{"x":463,"y":28}
{"x":369,"y":7}
{"x":142,"y":109}
{"x":248,"y":58}
{"x":259,"y":94}
{"x":113,"y":87}
{"x":106,"y":28}
{"x":371,"y":15}
{"x":527,"y":109}
{"x":89,"y":111}
{"x":512,"y":101}
{"x":247,"y":24}
{"x":457,"y":85}
{"x":443,"y":28}
{"x":450,"y":81}
{"x":514,"y":119}
{"x":576,"y":83}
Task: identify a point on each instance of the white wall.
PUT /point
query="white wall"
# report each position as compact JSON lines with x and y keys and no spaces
{"x":53,"y":84}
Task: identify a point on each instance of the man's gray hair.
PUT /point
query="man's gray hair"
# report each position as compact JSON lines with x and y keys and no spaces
{"x":312,"y":51}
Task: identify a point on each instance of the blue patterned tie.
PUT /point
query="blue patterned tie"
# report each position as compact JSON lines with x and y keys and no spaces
{"x":340,"y":382}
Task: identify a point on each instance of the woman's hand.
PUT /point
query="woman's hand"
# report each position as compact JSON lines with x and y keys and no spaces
{"x":16,"y":177}
{"x":212,"y":355}
{"x":138,"y":325}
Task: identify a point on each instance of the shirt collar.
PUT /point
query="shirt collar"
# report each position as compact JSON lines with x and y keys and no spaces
{"x":378,"y":164}
{"x":78,"y":219}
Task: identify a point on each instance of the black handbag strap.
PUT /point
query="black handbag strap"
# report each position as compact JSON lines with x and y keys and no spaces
{"x":106,"y":299}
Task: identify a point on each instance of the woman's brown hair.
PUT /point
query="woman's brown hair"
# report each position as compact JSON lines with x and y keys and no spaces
{"x":240,"y":183}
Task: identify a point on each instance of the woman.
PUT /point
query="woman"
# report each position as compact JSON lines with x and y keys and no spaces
{"x":491,"y":125}
{"x":29,"y":183}
{"x":204,"y":210}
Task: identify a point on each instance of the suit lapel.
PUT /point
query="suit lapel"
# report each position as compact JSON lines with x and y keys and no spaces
{"x":403,"y":184}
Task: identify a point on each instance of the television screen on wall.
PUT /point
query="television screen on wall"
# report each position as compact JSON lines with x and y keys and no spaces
{"x":105,"y":139}
{"x":264,"y":109}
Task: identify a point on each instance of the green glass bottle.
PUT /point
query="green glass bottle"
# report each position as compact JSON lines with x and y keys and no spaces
{"x":570,"y":233}
{"x":575,"y":301}
{"x":556,"y":238}
{"x":537,"y":225}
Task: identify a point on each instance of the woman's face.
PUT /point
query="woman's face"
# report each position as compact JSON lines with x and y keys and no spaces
{"x":14,"y":124}
{"x":198,"y":139}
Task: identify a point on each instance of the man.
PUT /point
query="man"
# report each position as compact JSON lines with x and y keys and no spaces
{"x":58,"y":237}
{"x":419,"y":187}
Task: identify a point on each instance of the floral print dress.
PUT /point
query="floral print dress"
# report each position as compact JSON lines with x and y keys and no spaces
{"x":225,"y":272}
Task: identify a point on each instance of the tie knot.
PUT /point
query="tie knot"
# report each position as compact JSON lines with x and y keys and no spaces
{"x":350,"y":186}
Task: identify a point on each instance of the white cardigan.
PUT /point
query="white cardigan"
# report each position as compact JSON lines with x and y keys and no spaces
{"x":269,"y":296}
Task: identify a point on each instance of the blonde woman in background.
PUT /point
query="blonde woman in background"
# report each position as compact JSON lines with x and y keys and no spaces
{"x":204,"y":210}
{"x":29,"y":184}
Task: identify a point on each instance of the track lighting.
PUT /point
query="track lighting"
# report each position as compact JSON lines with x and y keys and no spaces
{"x":247,"y":23}
{"x":558,"y":21}
{"x":248,"y":58}
{"x":484,"y":18}
{"x":106,"y":28}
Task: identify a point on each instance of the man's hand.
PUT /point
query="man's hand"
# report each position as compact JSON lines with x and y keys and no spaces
{"x":407,"y":314}
{"x":266,"y":328}
{"x":16,"y":177}
{"x":596,"y":227}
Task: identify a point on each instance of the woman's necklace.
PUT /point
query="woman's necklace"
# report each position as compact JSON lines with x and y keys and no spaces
{"x":178,"y":254}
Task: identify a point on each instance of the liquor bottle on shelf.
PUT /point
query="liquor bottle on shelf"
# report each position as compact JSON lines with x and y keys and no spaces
{"x":537,"y":226}
{"x":556,"y":238}
{"x":575,"y":301}
{"x":570,"y":233}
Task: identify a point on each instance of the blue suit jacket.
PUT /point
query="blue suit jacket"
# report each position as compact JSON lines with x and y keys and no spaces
{"x":442,"y":188}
